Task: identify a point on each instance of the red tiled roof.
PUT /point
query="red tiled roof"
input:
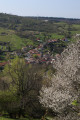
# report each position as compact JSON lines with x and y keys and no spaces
{"x":3,"y":63}
{"x":38,"y":54}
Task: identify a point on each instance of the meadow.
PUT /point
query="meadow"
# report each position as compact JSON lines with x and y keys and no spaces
{"x":9,"y":36}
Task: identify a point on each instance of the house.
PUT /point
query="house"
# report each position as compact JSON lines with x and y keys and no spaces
{"x":24,"y":49}
{"x":3,"y":64}
{"x":65,"y":39}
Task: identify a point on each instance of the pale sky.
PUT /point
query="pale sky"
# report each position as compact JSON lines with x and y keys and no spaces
{"x":46,"y":8}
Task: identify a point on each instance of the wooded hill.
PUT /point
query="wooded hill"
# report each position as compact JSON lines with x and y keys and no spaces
{"x":41,"y":24}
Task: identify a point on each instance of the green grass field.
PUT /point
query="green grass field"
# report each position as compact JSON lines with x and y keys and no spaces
{"x":10,"y":36}
{"x":76,"y":26}
{"x":56,"y":36}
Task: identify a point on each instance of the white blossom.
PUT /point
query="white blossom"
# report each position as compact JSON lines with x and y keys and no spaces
{"x":65,"y":83}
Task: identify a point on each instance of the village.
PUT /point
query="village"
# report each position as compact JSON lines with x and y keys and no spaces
{"x":38,"y":55}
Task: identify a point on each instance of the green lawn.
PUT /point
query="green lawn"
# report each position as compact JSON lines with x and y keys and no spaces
{"x":56,"y":36}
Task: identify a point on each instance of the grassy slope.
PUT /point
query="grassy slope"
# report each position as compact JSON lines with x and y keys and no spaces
{"x":56,"y":36}
{"x":18,"y":42}
{"x":10,"y":36}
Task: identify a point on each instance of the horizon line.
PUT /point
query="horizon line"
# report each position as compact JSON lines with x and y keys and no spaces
{"x":38,"y":16}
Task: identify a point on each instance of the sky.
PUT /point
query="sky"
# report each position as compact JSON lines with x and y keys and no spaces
{"x":46,"y":8}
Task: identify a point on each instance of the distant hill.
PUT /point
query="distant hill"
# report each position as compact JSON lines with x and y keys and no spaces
{"x":22,"y":31}
{"x":33,"y":23}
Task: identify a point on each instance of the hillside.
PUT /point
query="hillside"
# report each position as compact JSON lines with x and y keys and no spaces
{"x":39,"y":67}
{"x":17,"y":32}
{"x":40,"y":24}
